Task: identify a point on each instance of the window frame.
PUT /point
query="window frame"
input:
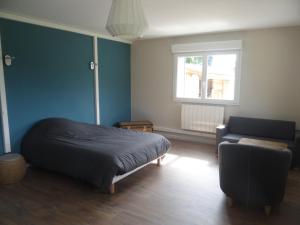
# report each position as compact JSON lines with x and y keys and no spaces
{"x":204,"y":98}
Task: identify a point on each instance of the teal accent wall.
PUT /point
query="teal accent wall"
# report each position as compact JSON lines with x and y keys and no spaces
{"x":114,"y":82}
{"x":50,"y":76}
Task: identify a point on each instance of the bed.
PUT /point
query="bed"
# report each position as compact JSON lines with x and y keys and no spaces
{"x":96,"y":154}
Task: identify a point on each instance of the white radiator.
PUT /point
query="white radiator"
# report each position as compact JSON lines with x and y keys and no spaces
{"x":202,"y":118}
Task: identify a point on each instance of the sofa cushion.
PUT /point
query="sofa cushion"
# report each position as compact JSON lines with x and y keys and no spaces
{"x":276,"y":129}
{"x":234,"y":138}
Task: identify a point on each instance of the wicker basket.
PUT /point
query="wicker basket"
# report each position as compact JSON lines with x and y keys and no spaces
{"x":12,"y":168}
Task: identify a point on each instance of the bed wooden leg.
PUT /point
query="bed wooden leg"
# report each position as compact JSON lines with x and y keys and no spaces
{"x":158,"y":162}
{"x":112,"y":189}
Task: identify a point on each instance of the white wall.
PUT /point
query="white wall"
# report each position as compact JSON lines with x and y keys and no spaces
{"x":270,"y":80}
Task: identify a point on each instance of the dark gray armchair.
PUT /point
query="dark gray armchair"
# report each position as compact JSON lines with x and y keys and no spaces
{"x":252,"y":175}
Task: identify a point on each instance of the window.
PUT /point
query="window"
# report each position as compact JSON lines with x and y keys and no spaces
{"x":207,"y":76}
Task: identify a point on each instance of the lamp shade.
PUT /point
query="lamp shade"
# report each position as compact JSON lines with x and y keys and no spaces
{"x":126,"y":19}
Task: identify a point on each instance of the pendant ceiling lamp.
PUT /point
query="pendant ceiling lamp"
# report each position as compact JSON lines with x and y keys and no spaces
{"x":126,"y":19}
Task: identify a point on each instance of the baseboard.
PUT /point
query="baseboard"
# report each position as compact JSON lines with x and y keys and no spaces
{"x":184,"y":135}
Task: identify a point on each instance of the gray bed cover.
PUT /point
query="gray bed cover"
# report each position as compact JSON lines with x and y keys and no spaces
{"x":89,"y":152}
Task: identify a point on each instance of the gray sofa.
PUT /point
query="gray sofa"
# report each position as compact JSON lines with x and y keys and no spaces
{"x":252,"y":175}
{"x":273,"y":130}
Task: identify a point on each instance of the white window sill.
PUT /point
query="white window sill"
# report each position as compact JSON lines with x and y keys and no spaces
{"x":207,"y":101}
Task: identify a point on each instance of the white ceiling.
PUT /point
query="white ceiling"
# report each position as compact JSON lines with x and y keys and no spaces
{"x":165,"y":17}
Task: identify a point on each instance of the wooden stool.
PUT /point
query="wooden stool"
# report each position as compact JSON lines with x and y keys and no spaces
{"x":12,"y":168}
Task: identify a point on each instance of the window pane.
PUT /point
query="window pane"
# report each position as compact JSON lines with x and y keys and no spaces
{"x":189,"y":76}
{"x":221,"y":71}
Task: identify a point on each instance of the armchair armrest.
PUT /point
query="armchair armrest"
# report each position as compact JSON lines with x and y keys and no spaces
{"x":221,"y":131}
{"x":297,"y":151}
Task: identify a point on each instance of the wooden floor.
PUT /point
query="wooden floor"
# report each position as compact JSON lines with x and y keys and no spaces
{"x":184,"y":191}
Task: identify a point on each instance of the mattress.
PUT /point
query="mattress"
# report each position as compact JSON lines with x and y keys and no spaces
{"x":90,"y":152}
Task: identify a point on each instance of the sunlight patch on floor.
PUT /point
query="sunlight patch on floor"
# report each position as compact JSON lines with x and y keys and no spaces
{"x":191,"y":164}
{"x":167,"y":159}
{"x":183,"y":162}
